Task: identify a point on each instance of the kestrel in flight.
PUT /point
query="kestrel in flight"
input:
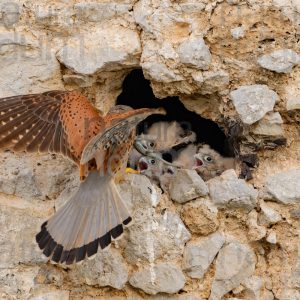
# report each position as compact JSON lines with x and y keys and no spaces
{"x":66,"y":123}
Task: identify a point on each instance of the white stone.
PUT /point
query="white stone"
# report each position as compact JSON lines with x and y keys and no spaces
{"x":229,"y":191}
{"x":106,"y":268}
{"x":280,"y":61}
{"x":11,"y":12}
{"x":214,"y":81}
{"x":16,"y":282}
{"x":252,"y":102}
{"x":293,"y":103}
{"x":97,"y":12}
{"x":17,"y":239}
{"x":199,"y":255}
{"x":234,"y":264}
{"x":94,"y":52}
{"x":296,"y":271}
{"x":271,"y":237}
{"x":268,"y":216}
{"x":51,"y":295}
{"x":159,"y":278}
{"x":269,"y":125}
{"x":195,"y":53}
{"x":139,"y":193}
{"x":238,"y":32}
{"x":154,"y":236}
{"x":289,"y":294}
{"x":18,"y":54}
{"x":253,"y":286}
{"x":158,"y":71}
{"x":256,"y":232}
{"x":187,"y":185}
{"x":284,"y":187}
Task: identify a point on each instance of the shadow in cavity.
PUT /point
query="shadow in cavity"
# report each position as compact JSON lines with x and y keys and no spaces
{"x":137,"y":93}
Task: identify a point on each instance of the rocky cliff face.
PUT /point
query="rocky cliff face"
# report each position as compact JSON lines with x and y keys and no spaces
{"x":230,"y":60}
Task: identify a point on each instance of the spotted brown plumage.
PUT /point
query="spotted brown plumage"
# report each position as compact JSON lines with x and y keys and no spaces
{"x":66,"y":123}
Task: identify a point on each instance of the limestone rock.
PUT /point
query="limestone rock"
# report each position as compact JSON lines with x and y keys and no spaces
{"x":154,"y":62}
{"x":269,"y":125}
{"x":271,"y":237}
{"x":17,"y":281}
{"x":227,"y":191}
{"x":268,"y":216}
{"x":199,"y":255}
{"x":296,"y":271}
{"x":17,"y":56}
{"x":293,"y":103}
{"x":195,"y":53}
{"x":160,"y":278}
{"x":238,"y":32}
{"x":187,"y":185}
{"x":284,"y":187}
{"x":51,"y":295}
{"x":154,"y":236}
{"x":295,"y":213}
{"x":17,"y":239}
{"x":96,"y":53}
{"x":280,"y":61}
{"x":252,"y":102}
{"x":289,"y":8}
{"x":10,"y":13}
{"x":289,"y":294}
{"x":256,"y":232}
{"x":200,"y":216}
{"x":138,"y":192}
{"x":234,"y":264}
{"x":98,"y":12}
{"x":214,"y":81}
{"x":253,"y":286}
{"x":107,"y":268}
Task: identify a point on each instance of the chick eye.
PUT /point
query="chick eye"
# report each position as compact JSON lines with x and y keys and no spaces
{"x":151,"y":144}
{"x":208,"y":158}
{"x":152,"y":161}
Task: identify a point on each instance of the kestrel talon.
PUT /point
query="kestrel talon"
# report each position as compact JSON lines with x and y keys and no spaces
{"x":66,"y":123}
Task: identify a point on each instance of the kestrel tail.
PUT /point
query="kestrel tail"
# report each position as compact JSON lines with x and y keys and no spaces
{"x":66,"y":123}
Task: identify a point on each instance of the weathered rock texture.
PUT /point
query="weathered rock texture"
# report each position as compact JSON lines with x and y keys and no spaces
{"x":232,"y":61}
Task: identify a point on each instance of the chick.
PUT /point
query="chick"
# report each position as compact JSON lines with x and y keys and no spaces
{"x":160,"y":137}
{"x":167,"y":135}
{"x":156,"y":170}
{"x":186,"y":158}
{"x":209,"y":163}
{"x":137,"y":152}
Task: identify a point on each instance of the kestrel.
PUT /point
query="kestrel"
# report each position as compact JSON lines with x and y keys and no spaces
{"x":66,"y":123}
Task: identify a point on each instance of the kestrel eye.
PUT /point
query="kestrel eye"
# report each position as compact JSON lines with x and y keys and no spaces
{"x":151,"y":144}
{"x":152,"y":161}
{"x":208,"y":158}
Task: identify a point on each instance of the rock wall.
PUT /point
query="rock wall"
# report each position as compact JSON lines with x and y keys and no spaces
{"x":230,"y":60}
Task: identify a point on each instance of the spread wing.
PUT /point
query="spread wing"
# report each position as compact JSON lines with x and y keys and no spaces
{"x":55,"y":122}
{"x":117,"y":133}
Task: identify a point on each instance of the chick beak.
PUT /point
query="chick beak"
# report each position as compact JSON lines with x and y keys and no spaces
{"x":199,"y":163}
{"x":142,"y":165}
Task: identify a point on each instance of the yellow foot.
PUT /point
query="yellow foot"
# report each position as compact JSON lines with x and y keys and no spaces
{"x":132,"y":171}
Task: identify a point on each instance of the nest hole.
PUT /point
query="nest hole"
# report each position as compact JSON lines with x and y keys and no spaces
{"x":137,"y":93}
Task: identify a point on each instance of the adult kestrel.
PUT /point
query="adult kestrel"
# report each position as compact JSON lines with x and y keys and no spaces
{"x":66,"y":123}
